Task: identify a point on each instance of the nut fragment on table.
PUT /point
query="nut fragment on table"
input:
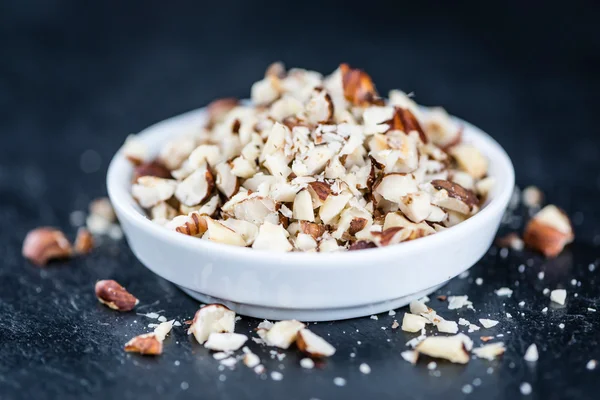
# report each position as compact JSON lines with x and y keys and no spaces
{"x":44,"y":244}
{"x":549,"y":231}
{"x":150,"y":343}
{"x":451,"y":348}
{"x":313,"y":344}
{"x":315,"y":155}
{"x":212,"y":318}
{"x":146,"y":344}
{"x":283,"y":333}
{"x":84,"y":242}
{"x":413,"y":323}
{"x":490,"y":351}
{"x":115,"y":296}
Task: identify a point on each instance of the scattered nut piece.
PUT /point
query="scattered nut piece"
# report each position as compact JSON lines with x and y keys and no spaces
{"x":163,"y":329}
{"x":228,"y":341}
{"x":418,"y":307}
{"x":84,"y":242}
{"x":113,"y":295}
{"x":102,"y":207}
{"x":146,"y":344}
{"x":413,"y":323}
{"x":549,"y":231}
{"x":532,"y":197}
{"x":504,"y":291}
{"x":510,"y":241}
{"x":283,"y":333}
{"x":313,"y":345}
{"x":558,"y":296}
{"x":445,"y":326}
{"x":488,"y":323}
{"x":251,"y":360}
{"x":410,"y":356}
{"x":152,"y":168}
{"x":531,"y":355}
{"x":212,"y":318}
{"x":456,"y":302}
{"x":490,"y":351}
{"x":451,"y":348}
{"x":44,"y":244}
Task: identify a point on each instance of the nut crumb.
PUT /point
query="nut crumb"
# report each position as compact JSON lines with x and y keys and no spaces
{"x":84,"y":242}
{"x":558,"y":296}
{"x":531,"y":355}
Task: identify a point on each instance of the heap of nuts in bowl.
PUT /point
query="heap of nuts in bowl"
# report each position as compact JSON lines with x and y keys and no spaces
{"x":313,"y":163}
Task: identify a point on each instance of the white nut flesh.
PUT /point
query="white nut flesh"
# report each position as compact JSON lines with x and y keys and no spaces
{"x":322,"y":150}
{"x":313,"y":344}
{"x":283,"y":333}
{"x":451,"y":348}
{"x":225,"y":341}
{"x":212,"y":318}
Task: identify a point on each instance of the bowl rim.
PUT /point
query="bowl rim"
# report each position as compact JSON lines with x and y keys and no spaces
{"x":124,"y":204}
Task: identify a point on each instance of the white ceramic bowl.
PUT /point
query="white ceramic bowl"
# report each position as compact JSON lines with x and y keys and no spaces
{"x":307,"y":286}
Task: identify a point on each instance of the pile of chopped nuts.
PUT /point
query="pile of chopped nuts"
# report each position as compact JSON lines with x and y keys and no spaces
{"x":313,"y":163}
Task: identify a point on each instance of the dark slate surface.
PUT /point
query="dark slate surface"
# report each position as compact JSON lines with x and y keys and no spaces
{"x":76,"y":78}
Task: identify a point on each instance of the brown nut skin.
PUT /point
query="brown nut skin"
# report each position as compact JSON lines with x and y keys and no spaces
{"x":115,"y":296}
{"x":356,"y":225}
{"x":196,"y":226}
{"x":457,"y":140}
{"x":152,"y":168}
{"x":387,"y":236}
{"x":322,"y":189}
{"x":146,"y":344}
{"x":44,"y":244}
{"x":361,"y":245}
{"x":457,"y":191}
{"x":312,"y":229}
{"x":84,"y":242}
{"x":545,"y":239}
{"x":219,"y":108}
{"x":405,"y":121}
{"x":358,"y":87}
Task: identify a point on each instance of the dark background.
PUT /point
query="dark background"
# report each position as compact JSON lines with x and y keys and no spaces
{"x":76,"y":77}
